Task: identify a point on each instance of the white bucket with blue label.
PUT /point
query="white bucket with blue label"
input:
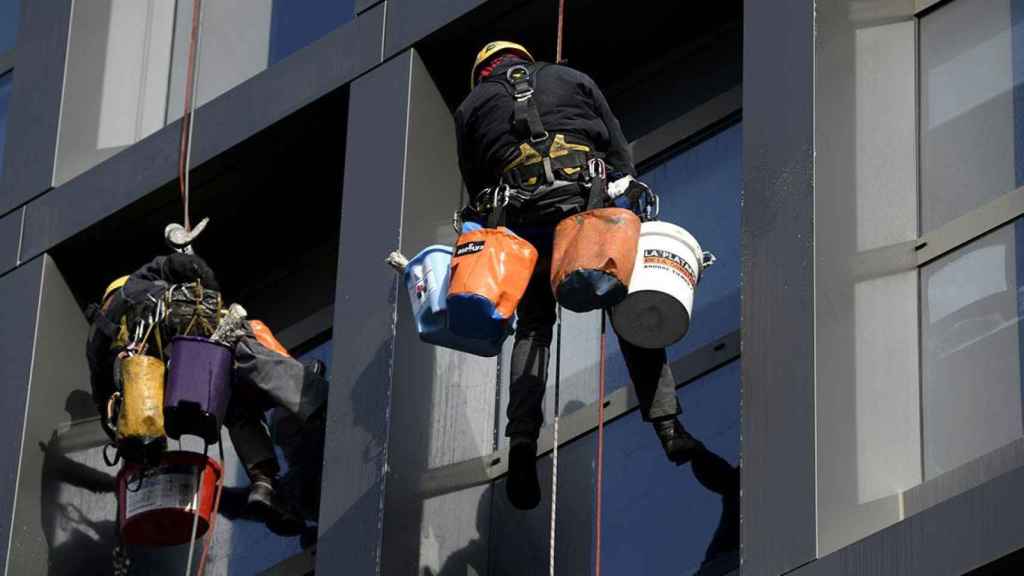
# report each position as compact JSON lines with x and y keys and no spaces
{"x":658,"y":309}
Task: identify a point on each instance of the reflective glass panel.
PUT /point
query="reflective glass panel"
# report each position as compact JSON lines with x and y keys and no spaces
{"x":127,"y":64}
{"x":972,"y":64}
{"x":700,"y":191}
{"x":971,"y":339}
{"x":659,"y":518}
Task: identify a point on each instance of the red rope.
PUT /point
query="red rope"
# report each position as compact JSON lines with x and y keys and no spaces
{"x":186,"y":117}
{"x":561,"y":27}
{"x":213,"y":524}
{"x":600,"y":453}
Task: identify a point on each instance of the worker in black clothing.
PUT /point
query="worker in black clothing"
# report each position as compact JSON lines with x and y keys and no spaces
{"x":542,"y":130}
{"x":262,"y":377}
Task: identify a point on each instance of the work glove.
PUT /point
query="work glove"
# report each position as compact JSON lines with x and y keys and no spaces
{"x":181,"y":268}
{"x":628,"y":192}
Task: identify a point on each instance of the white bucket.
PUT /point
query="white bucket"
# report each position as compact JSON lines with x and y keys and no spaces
{"x":658,"y":309}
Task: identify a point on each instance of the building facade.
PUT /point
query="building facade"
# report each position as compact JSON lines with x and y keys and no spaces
{"x":855,"y":357}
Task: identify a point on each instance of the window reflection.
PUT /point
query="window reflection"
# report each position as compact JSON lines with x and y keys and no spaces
{"x":972,"y":144}
{"x":127,"y":64}
{"x":971,"y":337}
{"x":663,"y":519}
{"x":700,"y":191}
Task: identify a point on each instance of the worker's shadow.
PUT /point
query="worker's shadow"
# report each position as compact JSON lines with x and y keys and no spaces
{"x":471,"y":558}
{"x":718,"y":476}
{"x":76,"y":505}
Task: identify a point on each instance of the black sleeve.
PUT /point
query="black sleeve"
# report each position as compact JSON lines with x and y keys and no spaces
{"x":618,"y":154}
{"x":466,"y":164}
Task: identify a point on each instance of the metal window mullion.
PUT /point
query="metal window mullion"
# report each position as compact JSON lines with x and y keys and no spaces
{"x":914,"y":254}
{"x":685,"y":127}
{"x":925,"y":7}
{"x":969,"y":227}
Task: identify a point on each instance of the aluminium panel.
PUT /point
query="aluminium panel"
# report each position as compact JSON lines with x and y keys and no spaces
{"x":34,"y":112}
{"x":18,"y":313}
{"x":778,"y":531}
{"x":365,"y":307}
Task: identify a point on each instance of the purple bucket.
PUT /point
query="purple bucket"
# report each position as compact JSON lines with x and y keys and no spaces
{"x":198,"y":387}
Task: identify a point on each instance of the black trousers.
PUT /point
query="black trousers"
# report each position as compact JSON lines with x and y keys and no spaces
{"x":264,"y":379}
{"x":648,"y":368}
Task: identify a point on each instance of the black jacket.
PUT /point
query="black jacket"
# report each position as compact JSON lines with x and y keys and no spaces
{"x":569,"y":103}
{"x":136,"y":297}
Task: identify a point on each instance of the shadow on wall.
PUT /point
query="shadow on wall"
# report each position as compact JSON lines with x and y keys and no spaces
{"x":76,"y":502}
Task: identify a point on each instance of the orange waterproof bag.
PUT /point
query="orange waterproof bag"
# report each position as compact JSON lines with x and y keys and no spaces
{"x":266,"y":337}
{"x":593,"y":258}
{"x":490,"y":270}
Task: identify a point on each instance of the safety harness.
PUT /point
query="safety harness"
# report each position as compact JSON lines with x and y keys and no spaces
{"x":547,"y":173}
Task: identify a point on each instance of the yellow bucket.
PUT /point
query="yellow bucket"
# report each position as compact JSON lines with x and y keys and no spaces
{"x":142,"y":410}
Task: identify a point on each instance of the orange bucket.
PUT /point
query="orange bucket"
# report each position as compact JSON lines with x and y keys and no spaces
{"x":157,"y":505}
{"x":593,"y":258}
{"x":491,"y":268}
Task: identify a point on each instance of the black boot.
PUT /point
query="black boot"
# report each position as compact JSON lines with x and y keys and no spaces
{"x":522,"y":486}
{"x":679,"y":445}
{"x":265,"y":504}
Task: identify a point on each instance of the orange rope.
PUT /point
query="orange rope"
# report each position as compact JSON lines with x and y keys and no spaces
{"x":216,"y":510}
{"x":561,"y":27}
{"x":186,"y":118}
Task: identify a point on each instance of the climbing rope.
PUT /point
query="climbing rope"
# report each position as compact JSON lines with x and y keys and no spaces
{"x":214,"y":513}
{"x":600,"y":450}
{"x":554,"y":453}
{"x":195,"y":512}
{"x":187,"y":118}
{"x":561,"y":27}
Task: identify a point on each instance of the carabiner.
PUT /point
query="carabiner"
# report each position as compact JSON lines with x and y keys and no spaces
{"x":501,"y":198}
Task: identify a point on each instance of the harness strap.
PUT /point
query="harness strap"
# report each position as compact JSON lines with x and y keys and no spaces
{"x":543,"y":172}
{"x":527,"y":119}
{"x":598,"y":195}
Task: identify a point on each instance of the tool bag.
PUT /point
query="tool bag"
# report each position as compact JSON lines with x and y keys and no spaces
{"x":265,"y":337}
{"x":139,"y":408}
{"x":490,"y":270}
{"x":192,"y":310}
{"x":594,"y":252}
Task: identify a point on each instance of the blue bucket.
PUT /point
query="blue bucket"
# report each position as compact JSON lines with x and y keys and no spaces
{"x":426,"y":279}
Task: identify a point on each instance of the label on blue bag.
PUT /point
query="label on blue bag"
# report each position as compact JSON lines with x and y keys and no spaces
{"x":469,"y":248}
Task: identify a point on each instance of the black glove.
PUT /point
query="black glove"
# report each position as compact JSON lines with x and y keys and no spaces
{"x":185,"y":268}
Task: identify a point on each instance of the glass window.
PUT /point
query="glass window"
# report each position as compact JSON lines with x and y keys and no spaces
{"x":700,"y":191}
{"x":127,"y":64}
{"x":972,"y":126}
{"x":6,"y":80}
{"x":660,"y":518}
{"x":971,"y":335}
{"x":9,"y":24}
{"x":294,"y":25}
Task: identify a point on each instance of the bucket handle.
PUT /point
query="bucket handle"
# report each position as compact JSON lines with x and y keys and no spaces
{"x":707,"y":261}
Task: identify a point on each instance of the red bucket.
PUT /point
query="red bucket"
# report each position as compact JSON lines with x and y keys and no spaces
{"x":157,"y":504}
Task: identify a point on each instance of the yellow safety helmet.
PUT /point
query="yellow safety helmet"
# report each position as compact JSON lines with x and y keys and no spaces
{"x":114,"y":286}
{"x":492,"y":49}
